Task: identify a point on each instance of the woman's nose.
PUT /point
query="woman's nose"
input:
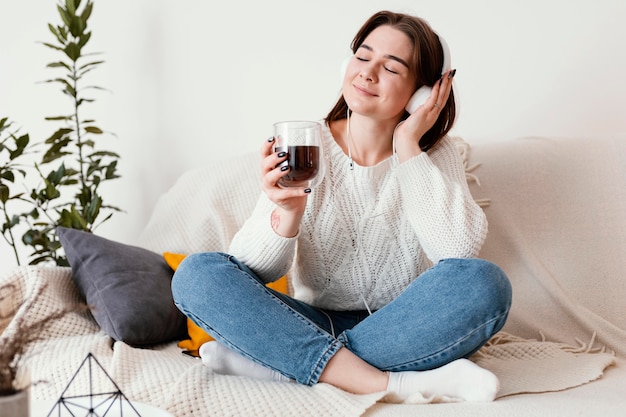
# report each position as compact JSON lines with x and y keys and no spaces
{"x":367,"y":73}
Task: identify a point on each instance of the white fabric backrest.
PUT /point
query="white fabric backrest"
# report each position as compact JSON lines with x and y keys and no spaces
{"x":557,"y":226}
{"x":204,"y":209}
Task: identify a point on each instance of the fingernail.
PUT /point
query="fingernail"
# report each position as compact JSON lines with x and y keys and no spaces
{"x":284,"y":168}
{"x":307,"y":190}
{"x":452,"y":73}
{"x":270,"y":139}
{"x":281,"y":154}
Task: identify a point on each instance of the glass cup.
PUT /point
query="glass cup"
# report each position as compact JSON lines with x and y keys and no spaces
{"x":302,"y":140}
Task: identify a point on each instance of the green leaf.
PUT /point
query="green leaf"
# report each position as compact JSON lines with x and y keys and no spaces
{"x":56,"y":176}
{"x":72,"y":50}
{"x":54,"y":153}
{"x":84,"y":39}
{"x":70,"y":92}
{"x":93,"y":208}
{"x":8,"y":175}
{"x":71,"y":172}
{"x":59,"y":64}
{"x":76,"y":27}
{"x":104,"y":153}
{"x":61,"y":81}
{"x":60,"y":133}
{"x":39,"y":260}
{"x":87,"y":12}
{"x":93,"y":129}
{"x":94,"y":87}
{"x":63,"y":31}
{"x":34,"y":237}
{"x":49,"y":45}
{"x":22,"y":142}
{"x":76,"y":221}
{"x":64,"y":16}
{"x":63,"y":118}
{"x":4,"y":193}
{"x":52,"y":192}
{"x":62,"y":261}
{"x":20,"y":146}
{"x":90,"y":64}
{"x":15,"y":220}
{"x":68,"y":182}
{"x":71,"y":8}
{"x":55,"y":32}
{"x":110,"y":172}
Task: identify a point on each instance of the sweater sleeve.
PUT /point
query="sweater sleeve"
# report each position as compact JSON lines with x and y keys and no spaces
{"x":256,"y":244}
{"x":440,"y":208}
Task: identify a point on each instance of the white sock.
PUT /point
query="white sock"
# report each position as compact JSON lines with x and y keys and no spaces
{"x":222,"y":360}
{"x":461,"y":379}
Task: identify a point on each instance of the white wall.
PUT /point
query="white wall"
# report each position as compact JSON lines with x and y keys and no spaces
{"x":197,"y":81}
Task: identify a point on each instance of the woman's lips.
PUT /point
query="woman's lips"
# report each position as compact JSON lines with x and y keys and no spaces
{"x":364,"y":90}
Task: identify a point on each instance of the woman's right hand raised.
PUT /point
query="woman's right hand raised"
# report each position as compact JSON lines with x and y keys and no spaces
{"x":290,"y":201}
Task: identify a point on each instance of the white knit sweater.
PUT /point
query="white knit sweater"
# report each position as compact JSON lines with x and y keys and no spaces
{"x":368,"y":233}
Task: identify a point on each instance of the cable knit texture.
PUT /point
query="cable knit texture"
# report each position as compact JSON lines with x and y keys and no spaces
{"x":368,"y":232}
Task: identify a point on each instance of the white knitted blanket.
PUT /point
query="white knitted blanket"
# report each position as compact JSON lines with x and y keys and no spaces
{"x":163,"y":377}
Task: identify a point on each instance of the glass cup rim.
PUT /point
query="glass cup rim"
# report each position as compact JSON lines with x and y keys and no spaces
{"x":298,"y":124}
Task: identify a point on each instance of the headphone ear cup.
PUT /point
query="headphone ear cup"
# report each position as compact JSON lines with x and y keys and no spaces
{"x":421,"y":95}
{"x":418,"y":98}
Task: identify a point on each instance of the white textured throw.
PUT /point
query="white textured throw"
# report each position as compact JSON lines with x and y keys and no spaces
{"x":525,"y":366}
{"x":163,"y":377}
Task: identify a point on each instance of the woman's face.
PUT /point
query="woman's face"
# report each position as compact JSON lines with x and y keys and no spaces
{"x":378,"y":82}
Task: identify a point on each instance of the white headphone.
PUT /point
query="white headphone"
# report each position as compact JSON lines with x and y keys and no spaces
{"x":421,"y":95}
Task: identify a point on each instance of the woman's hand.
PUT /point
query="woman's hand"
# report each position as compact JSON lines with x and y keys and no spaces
{"x":290,"y":201}
{"x":409,"y":133}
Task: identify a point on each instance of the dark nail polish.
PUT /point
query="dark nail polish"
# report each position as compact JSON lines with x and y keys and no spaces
{"x":452,"y":73}
{"x":307,"y":190}
{"x":270,"y":139}
{"x":284,"y":168}
{"x":281,"y":154}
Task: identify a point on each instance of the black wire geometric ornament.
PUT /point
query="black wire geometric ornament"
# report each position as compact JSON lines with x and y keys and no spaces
{"x":94,"y":404}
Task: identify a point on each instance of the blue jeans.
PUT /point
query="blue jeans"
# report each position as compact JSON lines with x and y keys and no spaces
{"x":447,"y":313}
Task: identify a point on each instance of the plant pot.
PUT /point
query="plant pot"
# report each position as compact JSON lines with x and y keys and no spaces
{"x":15,"y":405}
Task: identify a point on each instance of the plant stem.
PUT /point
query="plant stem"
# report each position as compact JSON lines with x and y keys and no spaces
{"x":83,"y":182}
{"x":11,"y":239}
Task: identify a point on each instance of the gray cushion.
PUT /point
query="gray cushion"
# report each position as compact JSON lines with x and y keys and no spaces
{"x":128,"y":288}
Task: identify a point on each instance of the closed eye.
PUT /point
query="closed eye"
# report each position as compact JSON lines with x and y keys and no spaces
{"x":386,"y":68}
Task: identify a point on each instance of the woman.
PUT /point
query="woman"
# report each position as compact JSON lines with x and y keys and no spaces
{"x":387,"y":293}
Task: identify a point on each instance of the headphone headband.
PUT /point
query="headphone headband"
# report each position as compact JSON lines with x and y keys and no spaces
{"x":447,"y":65}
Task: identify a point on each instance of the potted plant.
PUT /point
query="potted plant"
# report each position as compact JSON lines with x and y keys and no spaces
{"x":19,"y":331}
{"x":69,"y":194}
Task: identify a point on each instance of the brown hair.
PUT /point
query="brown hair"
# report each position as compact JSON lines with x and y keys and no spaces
{"x":426,"y":64}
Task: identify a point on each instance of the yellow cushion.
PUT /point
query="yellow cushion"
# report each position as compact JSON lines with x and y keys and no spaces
{"x":197,"y":336}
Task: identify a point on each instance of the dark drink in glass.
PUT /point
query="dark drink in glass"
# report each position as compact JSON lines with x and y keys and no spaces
{"x":303,"y":161}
